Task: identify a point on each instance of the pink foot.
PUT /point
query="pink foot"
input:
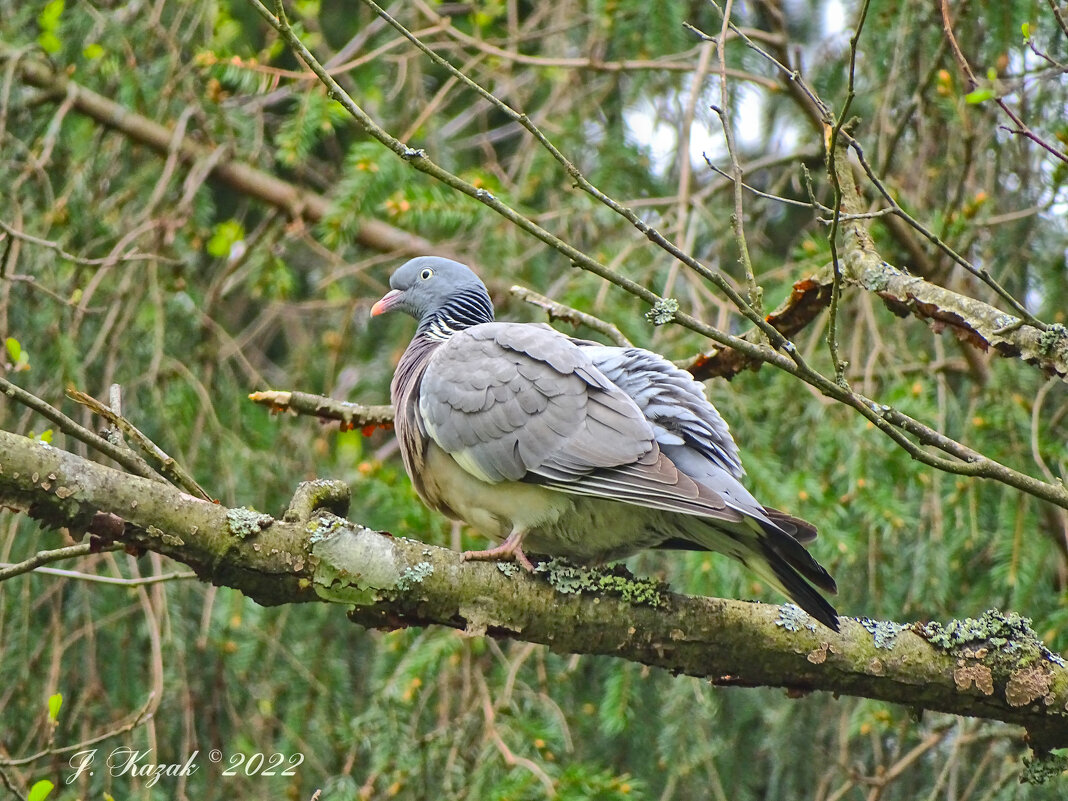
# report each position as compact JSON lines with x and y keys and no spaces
{"x":507,"y":551}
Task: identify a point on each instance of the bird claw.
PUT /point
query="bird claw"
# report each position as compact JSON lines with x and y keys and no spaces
{"x":505,"y":552}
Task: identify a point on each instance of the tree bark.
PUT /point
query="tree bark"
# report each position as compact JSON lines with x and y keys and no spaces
{"x":992,"y":667}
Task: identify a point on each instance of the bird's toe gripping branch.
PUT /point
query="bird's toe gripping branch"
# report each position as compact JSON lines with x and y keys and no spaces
{"x":509,"y":550}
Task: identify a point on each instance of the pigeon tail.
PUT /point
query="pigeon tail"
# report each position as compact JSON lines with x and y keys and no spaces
{"x":789,"y":580}
{"x":769,"y":552}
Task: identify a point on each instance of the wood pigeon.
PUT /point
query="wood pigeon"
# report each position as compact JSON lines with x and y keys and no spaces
{"x":570,"y":448}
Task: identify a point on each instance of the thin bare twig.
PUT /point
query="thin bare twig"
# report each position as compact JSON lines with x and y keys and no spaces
{"x":738,"y":217}
{"x":295,"y":201}
{"x":678,"y":62}
{"x":117,"y":580}
{"x":794,"y":76}
{"x":10,"y":230}
{"x":558,"y":311}
{"x":1058,"y":15}
{"x":420,"y":161}
{"x":127,"y":458}
{"x":833,"y":153}
{"x":965,"y":68}
{"x":143,"y":715}
{"x":9,"y":570}
{"x":979,"y":272}
{"x":167,"y":464}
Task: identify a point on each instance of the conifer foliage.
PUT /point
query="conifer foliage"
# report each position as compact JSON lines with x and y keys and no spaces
{"x":854,"y":210}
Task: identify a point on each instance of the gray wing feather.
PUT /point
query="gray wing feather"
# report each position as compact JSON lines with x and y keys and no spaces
{"x":526,"y":403}
{"x":672,"y":401}
{"x":695,"y":438}
{"x":506,"y":399}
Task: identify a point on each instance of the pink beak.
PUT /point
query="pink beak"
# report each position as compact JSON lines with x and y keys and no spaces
{"x":386,"y":303}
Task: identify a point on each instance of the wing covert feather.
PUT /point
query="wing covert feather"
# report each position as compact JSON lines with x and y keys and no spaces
{"x":671,"y":399}
{"x":506,"y":399}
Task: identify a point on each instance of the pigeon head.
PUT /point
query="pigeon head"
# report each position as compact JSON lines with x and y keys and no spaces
{"x":443,"y":295}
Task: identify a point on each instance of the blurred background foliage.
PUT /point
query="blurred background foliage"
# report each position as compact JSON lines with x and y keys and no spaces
{"x":191,"y":294}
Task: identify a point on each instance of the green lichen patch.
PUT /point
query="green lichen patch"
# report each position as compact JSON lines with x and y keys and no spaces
{"x":794,"y":618}
{"x":1052,"y":338}
{"x":415,"y":574}
{"x":244,"y":522}
{"x":616,"y":580}
{"x":884,"y":632}
{"x":1005,"y":633}
{"x":663,"y":311}
{"x":508,"y":568}
{"x":323,"y":527}
{"x":877,"y":280}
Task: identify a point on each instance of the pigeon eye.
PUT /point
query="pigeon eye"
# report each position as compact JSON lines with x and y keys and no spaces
{"x":426,"y":273}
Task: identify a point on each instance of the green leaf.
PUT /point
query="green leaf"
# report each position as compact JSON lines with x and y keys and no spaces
{"x":223,"y":238}
{"x":48,"y":19}
{"x":93,"y":51}
{"x":49,"y":42}
{"x":55,"y":702}
{"x":20,"y":359}
{"x":991,"y":74}
{"x":1025,"y":29}
{"x":979,"y":96}
{"x":48,"y":22}
{"x":46,"y":437}
{"x":40,"y":790}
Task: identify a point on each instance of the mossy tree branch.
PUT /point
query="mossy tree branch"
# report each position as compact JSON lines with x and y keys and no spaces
{"x":993,"y":667}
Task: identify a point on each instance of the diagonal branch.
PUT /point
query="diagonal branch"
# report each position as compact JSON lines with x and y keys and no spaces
{"x":992,"y":667}
{"x":295,"y":201}
{"x":916,"y":438}
{"x":912,"y":435}
{"x":966,"y":70}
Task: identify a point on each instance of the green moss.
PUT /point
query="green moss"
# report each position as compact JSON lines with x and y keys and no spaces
{"x":617,"y":580}
{"x":1008,"y":633}
{"x":244,"y":522}
{"x":1043,"y":767}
